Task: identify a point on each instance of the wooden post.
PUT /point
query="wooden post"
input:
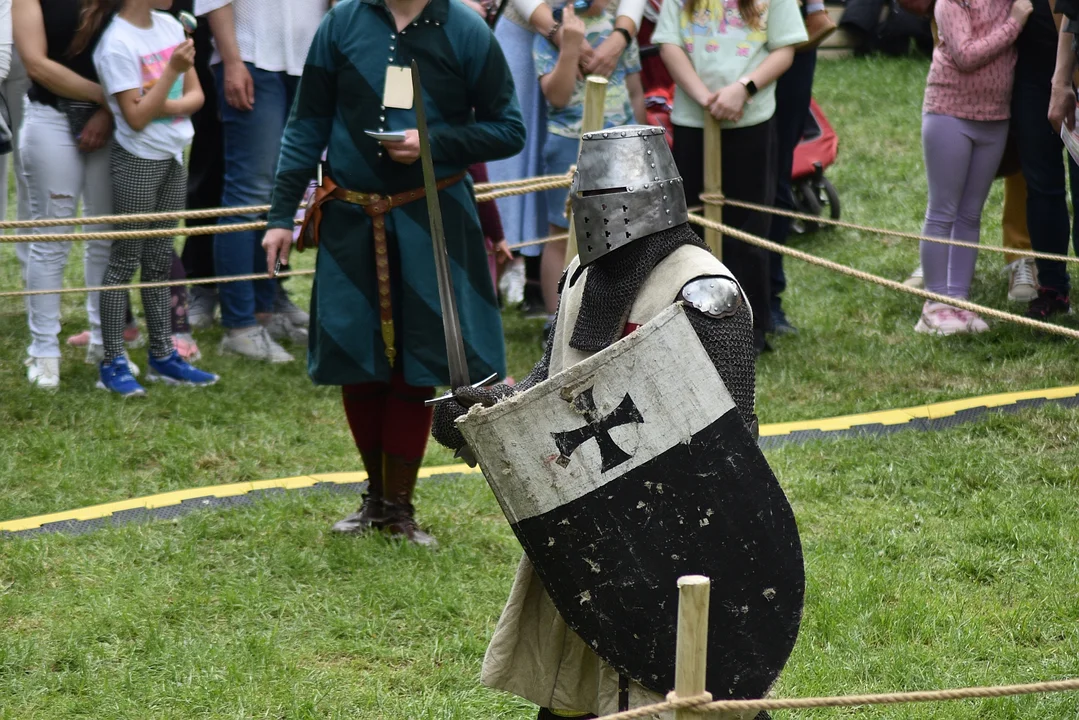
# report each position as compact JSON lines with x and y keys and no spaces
{"x":595,"y":98}
{"x":691,"y":655}
{"x":713,"y":182}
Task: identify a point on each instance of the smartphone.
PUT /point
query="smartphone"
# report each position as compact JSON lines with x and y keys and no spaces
{"x":396,"y":136}
{"x":579,"y":6}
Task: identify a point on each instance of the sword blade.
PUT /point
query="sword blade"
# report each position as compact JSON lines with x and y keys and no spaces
{"x":451,"y":323}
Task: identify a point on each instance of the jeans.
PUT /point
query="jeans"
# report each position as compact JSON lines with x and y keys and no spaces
{"x":252,"y":145}
{"x":794,"y":89}
{"x":56,"y":176}
{"x":1042,"y":158}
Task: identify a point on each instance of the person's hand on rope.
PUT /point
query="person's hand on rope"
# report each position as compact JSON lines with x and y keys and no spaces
{"x":239,"y":87}
{"x":407,"y":151}
{"x":501,"y":251}
{"x":605,"y":57}
{"x":729,"y":103}
{"x":96,"y":132}
{"x":277,"y":242}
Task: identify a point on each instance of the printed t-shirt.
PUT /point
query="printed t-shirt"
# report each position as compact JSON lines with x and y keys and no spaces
{"x":618,"y":110}
{"x":134,"y":58}
{"x":723,"y":49}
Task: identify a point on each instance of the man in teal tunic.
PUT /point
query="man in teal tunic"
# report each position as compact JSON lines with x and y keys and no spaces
{"x":376,"y":319}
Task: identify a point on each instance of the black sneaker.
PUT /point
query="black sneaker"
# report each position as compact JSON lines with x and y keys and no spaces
{"x":1049,"y":302}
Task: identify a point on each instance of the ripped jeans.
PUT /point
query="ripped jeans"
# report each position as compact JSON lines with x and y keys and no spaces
{"x":57,"y":176}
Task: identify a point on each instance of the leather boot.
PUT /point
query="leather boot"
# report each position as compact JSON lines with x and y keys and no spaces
{"x":372,"y":512}
{"x":400,"y":477}
{"x":819,"y":26}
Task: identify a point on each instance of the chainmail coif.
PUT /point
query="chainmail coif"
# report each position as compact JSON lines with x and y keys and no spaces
{"x":613,"y":282}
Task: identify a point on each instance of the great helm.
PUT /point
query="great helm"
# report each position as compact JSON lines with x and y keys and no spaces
{"x":626,"y":187}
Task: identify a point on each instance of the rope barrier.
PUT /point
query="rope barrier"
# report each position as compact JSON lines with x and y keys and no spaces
{"x":719,"y":199}
{"x":701,"y":703}
{"x":134,"y":234}
{"x":206,"y":214}
{"x":492,"y":191}
{"x":884,"y":282}
{"x":167,"y":283}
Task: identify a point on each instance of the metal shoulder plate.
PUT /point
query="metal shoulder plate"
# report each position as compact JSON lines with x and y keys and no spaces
{"x":715,"y":296}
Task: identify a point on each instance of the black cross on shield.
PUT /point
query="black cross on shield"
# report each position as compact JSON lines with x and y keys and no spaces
{"x":598,"y":429}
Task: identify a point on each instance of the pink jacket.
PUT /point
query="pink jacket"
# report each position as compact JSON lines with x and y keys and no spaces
{"x":974,"y":62}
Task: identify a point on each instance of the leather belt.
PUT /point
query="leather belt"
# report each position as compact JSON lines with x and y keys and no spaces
{"x":376,"y":207}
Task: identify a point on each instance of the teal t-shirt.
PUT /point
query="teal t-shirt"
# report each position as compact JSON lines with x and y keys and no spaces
{"x":618,"y":109}
{"x":723,"y":49}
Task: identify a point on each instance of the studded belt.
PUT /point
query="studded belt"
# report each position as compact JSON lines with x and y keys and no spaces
{"x":376,"y":207}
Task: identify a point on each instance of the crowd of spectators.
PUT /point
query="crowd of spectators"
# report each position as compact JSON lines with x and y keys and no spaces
{"x":747,"y":64}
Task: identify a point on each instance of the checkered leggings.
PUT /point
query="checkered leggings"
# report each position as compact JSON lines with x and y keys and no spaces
{"x":142,"y":186}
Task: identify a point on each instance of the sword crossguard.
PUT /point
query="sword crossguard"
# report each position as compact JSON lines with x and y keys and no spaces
{"x":450,"y":394}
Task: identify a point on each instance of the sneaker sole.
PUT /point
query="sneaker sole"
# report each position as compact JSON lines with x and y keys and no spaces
{"x":272,"y":361}
{"x":1025,"y":296}
{"x":154,"y":377}
{"x":925,"y":329}
{"x":138,"y":393}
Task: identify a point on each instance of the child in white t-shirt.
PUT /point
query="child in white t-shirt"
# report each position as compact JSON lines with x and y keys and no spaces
{"x":144,"y":63}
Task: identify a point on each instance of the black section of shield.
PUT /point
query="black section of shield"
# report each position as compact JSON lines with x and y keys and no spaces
{"x":611,"y":560}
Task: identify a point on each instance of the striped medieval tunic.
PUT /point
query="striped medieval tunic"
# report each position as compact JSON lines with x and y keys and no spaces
{"x":473,"y":117}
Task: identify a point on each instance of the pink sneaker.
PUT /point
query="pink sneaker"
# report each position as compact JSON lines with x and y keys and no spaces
{"x":940,"y":319}
{"x":973,"y":321}
{"x":80,"y":340}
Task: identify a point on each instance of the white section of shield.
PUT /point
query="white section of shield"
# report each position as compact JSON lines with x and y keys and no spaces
{"x":662,"y":366}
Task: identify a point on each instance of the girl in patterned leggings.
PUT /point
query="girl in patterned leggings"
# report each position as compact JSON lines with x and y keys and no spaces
{"x":145,"y":66}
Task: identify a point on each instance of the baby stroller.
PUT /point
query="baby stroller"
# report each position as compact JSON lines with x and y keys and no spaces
{"x":816,"y":151}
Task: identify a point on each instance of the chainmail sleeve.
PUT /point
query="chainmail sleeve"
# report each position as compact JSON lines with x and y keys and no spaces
{"x":729,"y":343}
{"x":444,"y":427}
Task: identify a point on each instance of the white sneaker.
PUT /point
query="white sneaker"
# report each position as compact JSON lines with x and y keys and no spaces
{"x":280,"y":327}
{"x":254,"y":343}
{"x":1022,"y":280}
{"x":43,"y":373}
{"x":512,"y":283}
{"x":915,"y":280}
{"x":95,"y":355}
{"x":201,"y":304}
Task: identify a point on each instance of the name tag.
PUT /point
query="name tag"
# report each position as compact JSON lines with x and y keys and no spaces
{"x":398,"y":92}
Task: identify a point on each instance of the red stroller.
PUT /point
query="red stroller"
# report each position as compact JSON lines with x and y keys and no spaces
{"x":816,"y":151}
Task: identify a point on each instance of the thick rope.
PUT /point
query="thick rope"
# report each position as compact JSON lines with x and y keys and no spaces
{"x":719,"y":199}
{"x":884,"y":282}
{"x":491,"y":191}
{"x":151,"y":217}
{"x":168,"y":283}
{"x":701,"y":703}
{"x":134,"y":234}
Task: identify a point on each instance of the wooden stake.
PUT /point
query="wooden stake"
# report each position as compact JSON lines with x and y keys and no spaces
{"x":691,"y":655}
{"x":595,"y":98}
{"x":713,"y":181}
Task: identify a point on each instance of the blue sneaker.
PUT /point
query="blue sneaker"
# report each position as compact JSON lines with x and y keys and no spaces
{"x":172,"y":370}
{"x":116,"y":377}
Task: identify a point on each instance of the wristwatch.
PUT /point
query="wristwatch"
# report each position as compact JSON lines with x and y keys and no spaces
{"x":625,"y":33}
{"x":553,"y":32}
{"x":749,"y":85}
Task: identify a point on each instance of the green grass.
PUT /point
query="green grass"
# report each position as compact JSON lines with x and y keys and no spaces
{"x":933,"y":559}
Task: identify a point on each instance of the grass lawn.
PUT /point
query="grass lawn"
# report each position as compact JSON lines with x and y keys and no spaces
{"x":933,"y":560}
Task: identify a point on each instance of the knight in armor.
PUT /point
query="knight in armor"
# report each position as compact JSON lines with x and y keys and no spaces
{"x":637,"y":256}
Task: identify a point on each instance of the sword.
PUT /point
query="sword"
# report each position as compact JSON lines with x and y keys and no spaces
{"x":451,"y":322}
